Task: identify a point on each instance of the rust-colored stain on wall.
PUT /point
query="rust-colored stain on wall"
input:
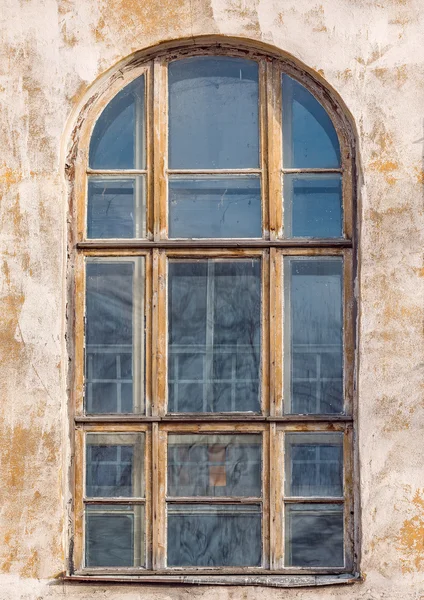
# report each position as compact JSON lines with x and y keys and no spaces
{"x":411,"y":537}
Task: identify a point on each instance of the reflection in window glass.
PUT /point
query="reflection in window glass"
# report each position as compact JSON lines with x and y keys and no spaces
{"x":118,"y":138}
{"x":114,"y":535}
{"x":314,"y":464}
{"x":314,"y":317}
{"x":214,"y":465}
{"x":225,"y":535}
{"x":214,"y":311}
{"x":114,"y":465}
{"x":313,"y":206}
{"x":314,"y":535}
{"x":213,"y":113}
{"x":222,"y":207}
{"x":116,"y":208}
{"x":114,"y":341}
{"x":309,"y":137}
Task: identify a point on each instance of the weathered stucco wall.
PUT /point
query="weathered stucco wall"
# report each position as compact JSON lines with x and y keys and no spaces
{"x":51,"y":51}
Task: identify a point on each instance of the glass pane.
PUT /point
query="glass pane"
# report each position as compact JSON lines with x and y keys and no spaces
{"x":313,"y":206}
{"x":114,"y":354}
{"x":116,"y":208}
{"x":309,"y":137}
{"x":222,"y":207}
{"x":114,"y":465}
{"x":214,"y":465}
{"x":114,"y":535}
{"x":118,"y":139}
{"x":314,"y":322}
{"x":213,"y":113}
{"x":314,"y":464}
{"x":225,"y":535}
{"x":214,"y":310}
{"x":314,"y":535}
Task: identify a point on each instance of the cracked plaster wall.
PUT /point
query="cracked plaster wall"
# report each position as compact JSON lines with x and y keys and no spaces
{"x":372,"y":53}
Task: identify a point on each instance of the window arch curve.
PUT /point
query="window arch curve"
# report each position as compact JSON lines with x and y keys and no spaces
{"x":214,"y":324}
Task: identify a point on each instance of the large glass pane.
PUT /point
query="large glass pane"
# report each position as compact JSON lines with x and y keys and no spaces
{"x":314,"y":464}
{"x":114,"y":535}
{"x":118,"y":139}
{"x":114,"y":356}
{"x":309,"y":137}
{"x":214,"y":311}
{"x":313,"y":206}
{"x":214,"y":465}
{"x":225,"y":535}
{"x":114,"y":465}
{"x":222,"y":207}
{"x":314,"y":535}
{"x":116,"y":208}
{"x":314,"y":335}
{"x":213,"y":113}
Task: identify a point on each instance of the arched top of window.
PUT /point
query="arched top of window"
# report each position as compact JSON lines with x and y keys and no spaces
{"x":212,"y":145}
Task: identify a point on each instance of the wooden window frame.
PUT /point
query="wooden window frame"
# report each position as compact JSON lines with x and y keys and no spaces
{"x":157,"y":249}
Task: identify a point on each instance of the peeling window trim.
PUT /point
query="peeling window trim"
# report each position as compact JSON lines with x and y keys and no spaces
{"x":152,"y":62}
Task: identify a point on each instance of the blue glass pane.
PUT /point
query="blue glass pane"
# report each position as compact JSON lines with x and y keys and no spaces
{"x":314,"y":535}
{"x":117,"y":141}
{"x":116,"y":208}
{"x":223,"y":207}
{"x":313,"y":206}
{"x":214,"y":535}
{"x":314,"y":303}
{"x":314,"y":464}
{"x":309,"y":137}
{"x":213,"y":113}
{"x":114,"y":536}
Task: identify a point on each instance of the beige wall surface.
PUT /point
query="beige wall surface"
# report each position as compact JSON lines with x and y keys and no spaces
{"x":371,"y":53}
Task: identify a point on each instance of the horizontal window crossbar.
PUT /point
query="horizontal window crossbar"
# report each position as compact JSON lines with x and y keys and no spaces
{"x":245,"y":244}
{"x":313,"y":500}
{"x":109,"y":500}
{"x":184,"y":418}
{"x":212,"y":500}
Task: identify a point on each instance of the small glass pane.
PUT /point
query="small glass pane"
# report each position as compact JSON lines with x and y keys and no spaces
{"x":214,"y":310}
{"x":213,"y":113}
{"x":309,"y":137}
{"x":114,"y":354}
{"x":314,"y":464}
{"x":114,"y":535}
{"x":214,"y":465}
{"x":222,"y":207}
{"x":118,"y":139}
{"x":116,"y":208}
{"x":225,"y":535}
{"x":114,"y":465}
{"x":314,"y":535}
{"x":314,"y":330}
{"x":313,"y":206}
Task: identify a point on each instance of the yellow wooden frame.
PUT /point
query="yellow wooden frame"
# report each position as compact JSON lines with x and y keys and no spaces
{"x":157,"y":249}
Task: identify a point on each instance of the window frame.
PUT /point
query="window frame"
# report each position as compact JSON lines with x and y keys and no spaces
{"x":157,"y":249}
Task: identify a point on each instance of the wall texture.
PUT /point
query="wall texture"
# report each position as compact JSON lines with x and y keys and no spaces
{"x":51,"y":51}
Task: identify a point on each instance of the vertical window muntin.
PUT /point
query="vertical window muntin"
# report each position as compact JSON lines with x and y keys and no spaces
{"x":265,"y":151}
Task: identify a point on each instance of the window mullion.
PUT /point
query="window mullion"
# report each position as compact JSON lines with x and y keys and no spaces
{"x":160,"y":148}
{"x":159,"y":441}
{"x":274,"y":149}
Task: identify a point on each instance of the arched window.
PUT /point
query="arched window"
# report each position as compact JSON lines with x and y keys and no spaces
{"x":214,"y":335}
